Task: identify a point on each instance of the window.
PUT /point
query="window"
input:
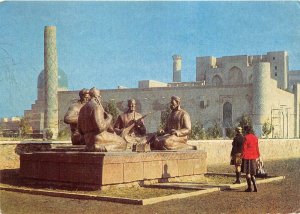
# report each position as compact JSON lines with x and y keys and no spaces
{"x":275,"y":67}
{"x":273,"y":57}
{"x":275,"y":74}
{"x":202,"y":104}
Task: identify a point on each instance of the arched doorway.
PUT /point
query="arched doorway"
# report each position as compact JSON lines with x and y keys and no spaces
{"x":235,"y":76}
{"x":216,"y":81}
{"x":227,"y":115}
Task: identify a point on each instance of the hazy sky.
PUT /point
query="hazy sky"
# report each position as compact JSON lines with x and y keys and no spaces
{"x":106,"y":44}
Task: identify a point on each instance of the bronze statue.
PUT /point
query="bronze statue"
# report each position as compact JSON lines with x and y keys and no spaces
{"x":130,"y":125}
{"x":71,"y":117}
{"x":175,"y":135}
{"x":93,"y":123}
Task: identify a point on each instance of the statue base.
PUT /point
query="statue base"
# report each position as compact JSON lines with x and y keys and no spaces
{"x":100,"y":169}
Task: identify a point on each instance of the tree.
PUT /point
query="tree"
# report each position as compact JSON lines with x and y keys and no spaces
{"x":112,"y":109}
{"x":164,"y":116}
{"x":245,"y":120}
{"x":267,"y":128}
{"x":25,"y":128}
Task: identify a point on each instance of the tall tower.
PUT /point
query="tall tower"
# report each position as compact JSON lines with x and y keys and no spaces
{"x":51,"y":80}
{"x":261,"y":95}
{"x":177,"y":68}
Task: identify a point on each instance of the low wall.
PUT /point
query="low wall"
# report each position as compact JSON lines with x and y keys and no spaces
{"x":218,"y":151}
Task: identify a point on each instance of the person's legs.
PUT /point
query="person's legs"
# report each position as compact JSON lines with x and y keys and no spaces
{"x":248,"y":178}
{"x":247,"y":170}
{"x":237,"y":174}
{"x":254,"y":183}
{"x":238,"y":167}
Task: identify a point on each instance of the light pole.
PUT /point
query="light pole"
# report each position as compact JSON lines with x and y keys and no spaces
{"x":272,"y":122}
{"x":282,"y":112}
{"x":287,"y":121}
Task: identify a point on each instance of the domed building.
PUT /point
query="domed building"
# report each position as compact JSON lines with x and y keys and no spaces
{"x":36,"y":114}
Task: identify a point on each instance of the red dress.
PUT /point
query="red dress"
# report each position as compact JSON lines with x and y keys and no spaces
{"x":250,"y":147}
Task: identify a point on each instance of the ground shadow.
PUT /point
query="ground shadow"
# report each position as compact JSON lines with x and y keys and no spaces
{"x":12,"y":177}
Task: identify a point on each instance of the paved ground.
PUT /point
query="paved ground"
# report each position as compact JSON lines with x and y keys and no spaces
{"x":276,"y":197}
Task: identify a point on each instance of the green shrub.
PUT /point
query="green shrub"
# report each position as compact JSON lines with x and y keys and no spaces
{"x":244,"y":120}
{"x":214,"y":132}
{"x":64,"y":134}
{"x":230,"y":132}
{"x":198,"y":132}
{"x":267,"y":128}
{"x":48,"y":134}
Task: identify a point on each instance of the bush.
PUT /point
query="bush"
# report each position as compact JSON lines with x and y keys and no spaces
{"x":48,"y":134}
{"x":267,"y":128}
{"x":198,"y":132}
{"x":64,"y":134}
{"x":245,"y":120}
{"x":214,"y":132}
{"x":230,"y":132}
{"x":25,"y":128}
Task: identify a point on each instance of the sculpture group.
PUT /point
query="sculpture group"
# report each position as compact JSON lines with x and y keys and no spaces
{"x":92,"y":126}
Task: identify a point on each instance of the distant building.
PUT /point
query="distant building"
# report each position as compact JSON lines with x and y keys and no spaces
{"x":294,"y":78}
{"x":10,"y":126}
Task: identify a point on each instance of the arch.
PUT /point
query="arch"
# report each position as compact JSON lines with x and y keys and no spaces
{"x":227,"y":115}
{"x":235,"y":76}
{"x":250,"y":78}
{"x":216,"y":81}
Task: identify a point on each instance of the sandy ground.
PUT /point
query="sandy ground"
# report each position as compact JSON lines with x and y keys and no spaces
{"x":276,"y":197}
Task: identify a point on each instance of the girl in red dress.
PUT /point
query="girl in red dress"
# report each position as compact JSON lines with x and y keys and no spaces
{"x":249,"y":155}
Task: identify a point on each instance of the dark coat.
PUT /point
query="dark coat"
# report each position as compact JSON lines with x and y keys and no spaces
{"x":237,"y":144}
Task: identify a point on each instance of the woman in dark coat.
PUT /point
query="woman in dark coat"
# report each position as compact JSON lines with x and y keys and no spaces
{"x":250,"y":154}
{"x":236,"y":153}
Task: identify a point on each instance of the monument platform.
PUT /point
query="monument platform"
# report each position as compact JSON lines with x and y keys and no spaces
{"x":99,"y":169}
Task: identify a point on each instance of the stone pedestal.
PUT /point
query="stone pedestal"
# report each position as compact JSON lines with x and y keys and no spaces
{"x":110,"y":168}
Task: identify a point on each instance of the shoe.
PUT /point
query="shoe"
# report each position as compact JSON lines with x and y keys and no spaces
{"x":238,"y":178}
{"x":248,"y":190}
{"x":254,"y":183}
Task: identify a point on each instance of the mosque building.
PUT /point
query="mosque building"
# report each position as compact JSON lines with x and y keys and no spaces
{"x":225,"y":89}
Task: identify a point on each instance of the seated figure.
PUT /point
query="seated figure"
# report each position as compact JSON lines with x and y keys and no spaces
{"x":93,"y":123}
{"x":71,"y":117}
{"x":178,"y":126}
{"x":130,"y":126}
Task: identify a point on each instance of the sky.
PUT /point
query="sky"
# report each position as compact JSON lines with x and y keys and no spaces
{"x":107,"y":44}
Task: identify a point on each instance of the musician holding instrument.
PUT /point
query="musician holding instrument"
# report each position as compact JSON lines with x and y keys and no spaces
{"x":130,"y":125}
{"x":175,"y":134}
{"x":94,"y":123}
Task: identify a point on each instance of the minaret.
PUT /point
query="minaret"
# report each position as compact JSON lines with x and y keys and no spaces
{"x":261,"y":95}
{"x":177,"y":68}
{"x":51,"y":80}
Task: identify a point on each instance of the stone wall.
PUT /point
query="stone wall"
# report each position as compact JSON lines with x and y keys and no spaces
{"x":156,"y":100}
{"x":218,"y":151}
